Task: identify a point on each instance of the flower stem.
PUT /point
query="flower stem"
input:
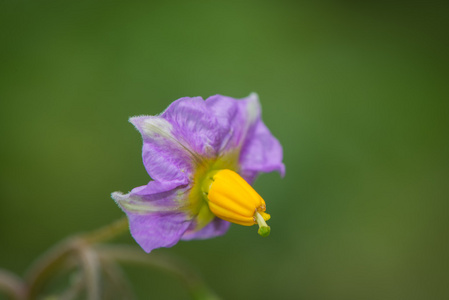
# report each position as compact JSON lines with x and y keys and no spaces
{"x":107,"y":232}
{"x":55,"y":258}
{"x":12,"y":285}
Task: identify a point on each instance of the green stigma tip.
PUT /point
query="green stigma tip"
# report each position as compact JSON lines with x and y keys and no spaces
{"x":264,"y":231}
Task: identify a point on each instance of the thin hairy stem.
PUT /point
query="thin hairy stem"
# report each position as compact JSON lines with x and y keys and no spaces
{"x":75,"y":288}
{"x":91,"y":270}
{"x":12,"y":285}
{"x":106,"y":233}
{"x":52,"y":261}
{"x":48,"y":264}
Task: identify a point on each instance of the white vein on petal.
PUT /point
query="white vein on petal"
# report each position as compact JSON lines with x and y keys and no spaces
{"x":136,"y":205}
{"x":253,"y":113}
{"x":225,"y":142}
{"x":253,"y":107}
{"x":159,"y":128}
{"x":154,"y":126}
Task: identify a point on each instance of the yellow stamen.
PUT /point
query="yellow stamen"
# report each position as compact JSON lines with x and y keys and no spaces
{"x":232,"y":199}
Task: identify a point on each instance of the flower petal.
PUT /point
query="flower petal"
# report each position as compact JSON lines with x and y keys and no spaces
{"x":215,"y":228}
{"x":164,"y":156}
{"x":261,"y":152}
{"x":234,"y":118}
{"x":194,"y":125}
{"x":157,"y":213}
{"x":161,"y":230}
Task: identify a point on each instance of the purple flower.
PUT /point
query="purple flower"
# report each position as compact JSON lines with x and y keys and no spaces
{"x":202,"y":157}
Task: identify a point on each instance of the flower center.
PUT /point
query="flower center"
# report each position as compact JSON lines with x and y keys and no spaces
{"x":232,"y":199}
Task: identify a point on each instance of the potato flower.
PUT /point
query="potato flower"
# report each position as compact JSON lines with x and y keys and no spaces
{"x":202,"y":157}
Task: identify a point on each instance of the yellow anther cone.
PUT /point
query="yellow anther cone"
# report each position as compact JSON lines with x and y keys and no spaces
{"x":232,"y":199}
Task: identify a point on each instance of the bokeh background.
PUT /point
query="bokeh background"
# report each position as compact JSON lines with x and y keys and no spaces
{"x":356,"y":91}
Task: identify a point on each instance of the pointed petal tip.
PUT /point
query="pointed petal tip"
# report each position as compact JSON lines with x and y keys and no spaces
{"x":282,"y":170}
{"x":253,"y":95}
{"x":137,"y":120}
{"x":117,"y":196}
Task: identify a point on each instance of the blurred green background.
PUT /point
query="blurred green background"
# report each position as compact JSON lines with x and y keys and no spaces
{"x":357,"y":93}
